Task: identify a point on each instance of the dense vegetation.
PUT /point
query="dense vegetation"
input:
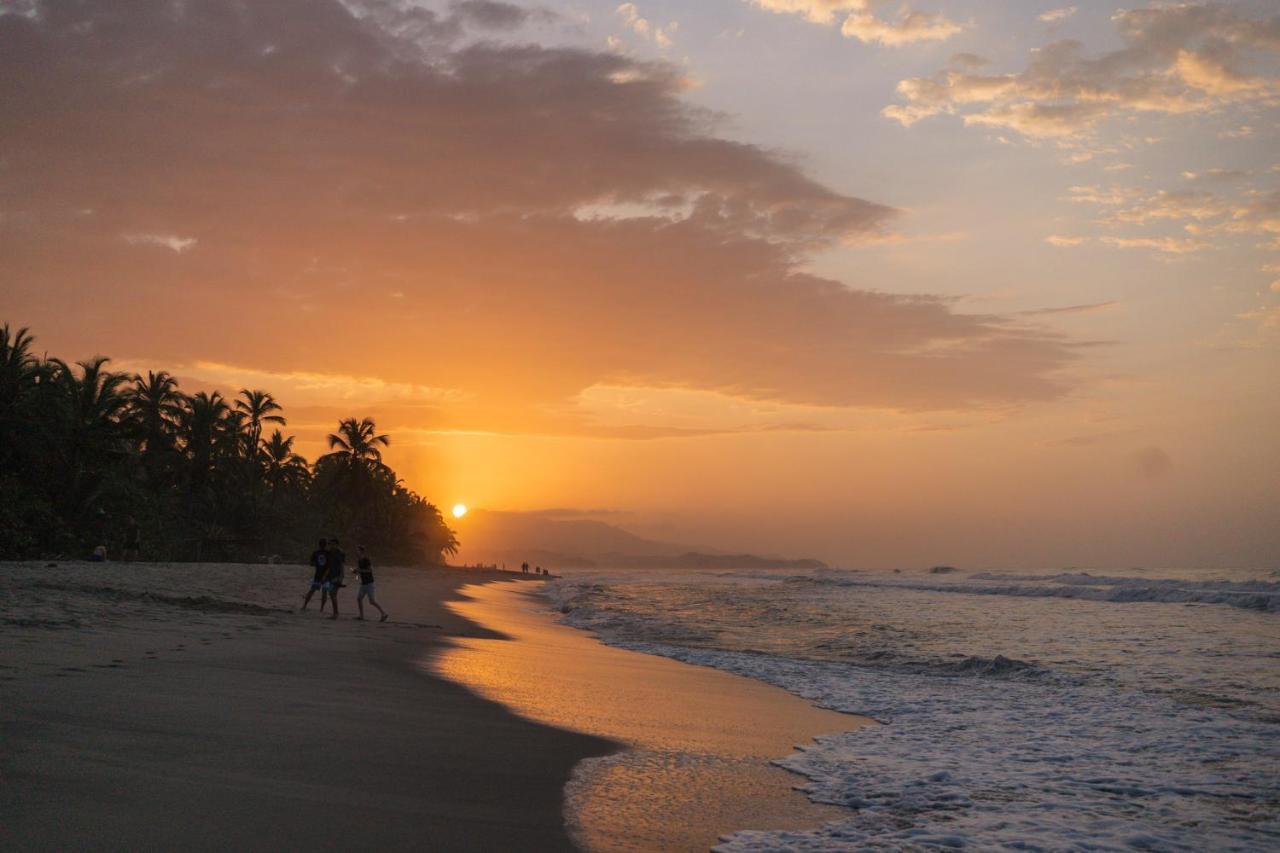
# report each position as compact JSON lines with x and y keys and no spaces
{"x":83,"y":449}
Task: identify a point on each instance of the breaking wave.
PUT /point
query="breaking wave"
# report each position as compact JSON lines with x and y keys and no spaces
{"x":1109,"y":727}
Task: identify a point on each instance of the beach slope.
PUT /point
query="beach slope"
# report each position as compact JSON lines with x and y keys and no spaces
{"x":190,"y":707}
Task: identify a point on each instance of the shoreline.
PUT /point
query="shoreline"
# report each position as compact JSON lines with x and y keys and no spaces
{"x":699,"y":746}
{"x":186,"y":706}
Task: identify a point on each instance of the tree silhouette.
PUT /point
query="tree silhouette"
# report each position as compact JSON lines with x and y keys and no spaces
{"x":83,"y":447}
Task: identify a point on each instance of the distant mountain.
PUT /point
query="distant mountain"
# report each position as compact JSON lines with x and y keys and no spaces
{"x":565,"y":541}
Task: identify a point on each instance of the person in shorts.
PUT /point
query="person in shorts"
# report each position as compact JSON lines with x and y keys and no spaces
{"x":319,"y":562}
{"x":336,"y":560}
{"x":364,"y":568}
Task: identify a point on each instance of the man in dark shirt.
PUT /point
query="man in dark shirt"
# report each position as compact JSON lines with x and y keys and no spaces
{"x":319,"y":562}
{"x":336,"y":561}
{"x":364,"y":568}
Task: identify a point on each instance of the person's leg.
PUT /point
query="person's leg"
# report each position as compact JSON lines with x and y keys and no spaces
{"x":360,"y":601}
{"x":375,"y":603}
{"x":306,"y":599}
{"x":333,"y":599}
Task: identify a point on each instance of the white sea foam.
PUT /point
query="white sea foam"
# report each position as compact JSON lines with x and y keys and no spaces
{"x":1114,"y":746}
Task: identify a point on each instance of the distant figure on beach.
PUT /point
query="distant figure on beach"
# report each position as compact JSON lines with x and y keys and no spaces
{"x":364,"y":568}
{"x":319,"y":562}
{"x":524,"y":567}
{"x":132,"y":540}
{"x":99,"y":554}
{"x":539,"y":570}
{"x":336,"y":560}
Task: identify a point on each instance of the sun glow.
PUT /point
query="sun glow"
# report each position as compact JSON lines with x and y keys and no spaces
{"x":459,"y":510}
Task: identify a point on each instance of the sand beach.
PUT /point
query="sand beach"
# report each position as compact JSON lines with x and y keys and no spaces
{"x":190,"y":706}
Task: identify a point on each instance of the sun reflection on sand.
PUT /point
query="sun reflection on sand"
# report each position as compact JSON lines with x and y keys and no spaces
{"x":699,"y":741}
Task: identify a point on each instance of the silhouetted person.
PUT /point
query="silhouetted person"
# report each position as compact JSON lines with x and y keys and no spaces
{"x":319,"y":562}
{"x":524,"y":568}
{"x":336,"y":560}
{"x":132,"y":540}
{"x":364,"y":568}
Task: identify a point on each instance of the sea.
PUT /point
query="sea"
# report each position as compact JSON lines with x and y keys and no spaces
{"x":1037,"y":710}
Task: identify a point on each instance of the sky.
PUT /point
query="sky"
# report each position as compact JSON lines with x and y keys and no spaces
{"x":993,"y":284}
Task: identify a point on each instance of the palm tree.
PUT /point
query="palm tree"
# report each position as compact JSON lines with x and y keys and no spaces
{"x":357,"y":444}
{"x":260,"y":408}
{"x":20,"y":373}
{"x":155,"y":407}
{"x":284,"y":469}
{"x":353,"y":475}
{"x":89,"y":436}
{"x":201,"y":423}
{"x":232,"y":439}
{"x":18,"y":367}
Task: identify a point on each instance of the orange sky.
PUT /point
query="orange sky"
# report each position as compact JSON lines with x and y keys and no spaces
{"x":543,"y":248}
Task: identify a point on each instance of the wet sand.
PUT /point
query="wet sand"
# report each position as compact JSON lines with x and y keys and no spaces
{"x":183,"y":707}
{"x":699,"y":741}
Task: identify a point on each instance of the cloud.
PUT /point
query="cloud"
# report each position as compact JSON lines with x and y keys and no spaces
{"x":1175,"y":60}
{"x":1054,"y":16}
{"x":1177,"y":205}
{"x":1200,"y":213}
{"x":1089,"y":308}
{"x":494,"y":15}
{"x":172,"y":242}
{"x":1215,"y":175}
{"x":1241,"y":132}
{"x":357,"y":159}
{"x":661,"y":36}
{"x":1094,"y":194}
{"x":1167,"y":245}
{"x":859,"y":20}
{"x":631,"y":17}
{"x":1064,"y":241}
{"x":1267,"y":318}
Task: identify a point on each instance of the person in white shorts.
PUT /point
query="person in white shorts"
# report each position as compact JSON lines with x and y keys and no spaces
{"x":364,"y":568}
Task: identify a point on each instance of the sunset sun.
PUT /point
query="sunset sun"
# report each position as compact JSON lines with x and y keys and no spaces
{"x":459,"y":510}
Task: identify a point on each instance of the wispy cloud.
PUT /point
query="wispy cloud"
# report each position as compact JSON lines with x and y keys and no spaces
{"x":1166,"y":245}
{"x":638,"y":24}
{"x":858,"y":19}
{"x":1175,"y":60}
{"x":1088,"y":308}
{"x":1054,"y":16}
{"x":172,"y":242}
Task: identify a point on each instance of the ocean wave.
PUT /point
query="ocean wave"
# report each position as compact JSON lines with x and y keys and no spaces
{"x":1248,"y":595}
{"x":963,"y":762}
{"x":975,"y":750}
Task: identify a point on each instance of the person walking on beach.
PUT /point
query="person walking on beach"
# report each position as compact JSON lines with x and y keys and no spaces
{"x":132,"y":540}
{"x":319,"y":562}
{"x":336,"y":560}
{"x":364,"y":568}
{"x":524,"y":568}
